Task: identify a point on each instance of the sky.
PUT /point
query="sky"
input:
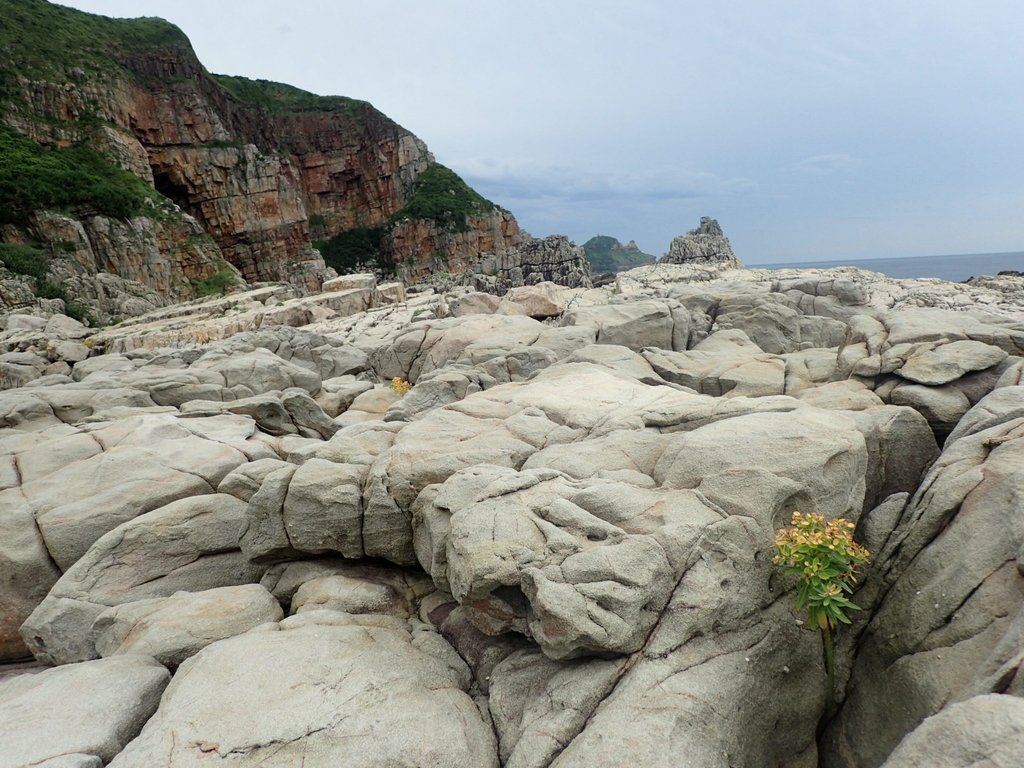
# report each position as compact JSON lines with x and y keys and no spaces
{"x":812,"y":130}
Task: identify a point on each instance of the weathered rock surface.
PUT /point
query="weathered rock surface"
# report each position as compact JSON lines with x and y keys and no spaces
{"x":582,"y":507}
{"x":705,"y":244}
{"x":986,"y":730}
{"x":191,"y":545}
{"x":83,"y":714}
{"x":171,"y":629}
{"x":553,"y":259}
{"x":322,"y":689}
{"x":953,"y":592}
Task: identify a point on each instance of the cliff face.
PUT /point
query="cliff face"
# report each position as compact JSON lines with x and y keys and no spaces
{"x":254,"y":163}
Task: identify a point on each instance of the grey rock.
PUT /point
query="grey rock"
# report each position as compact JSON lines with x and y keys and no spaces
{"x":326,"y":688}
{"x":983,"y":731}
{"x":943,"y":406}
{"x":553,"y":259}
{"x":705,"y":244}
{"x":171,"y":629}
{"x":189,"y":545}
{"x":948,"y":362}
{"x":76,"y":712}
{"x":952,"y":592}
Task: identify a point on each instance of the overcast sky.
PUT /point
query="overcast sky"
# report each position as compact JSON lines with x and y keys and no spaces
{"x":811,"y":129}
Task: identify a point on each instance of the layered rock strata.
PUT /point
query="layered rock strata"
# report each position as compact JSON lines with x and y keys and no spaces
{"x":552,"y":259}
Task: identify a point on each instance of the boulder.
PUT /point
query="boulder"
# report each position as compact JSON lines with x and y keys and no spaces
{"x":77,"y":715}
{"x":171,"y":629}
{"x":948,"y":362}
{"x":191,"y":545}
{"x":322,"y":687}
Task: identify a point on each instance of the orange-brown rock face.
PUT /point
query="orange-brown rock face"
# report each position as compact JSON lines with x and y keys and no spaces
{"x":251,"y":165}
{"x":421,"y":248}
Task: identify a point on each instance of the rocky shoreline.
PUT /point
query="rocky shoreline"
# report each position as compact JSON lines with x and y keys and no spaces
{"x":224,"y":535}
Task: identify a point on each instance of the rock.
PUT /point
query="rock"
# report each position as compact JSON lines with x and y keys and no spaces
{"x":171,"y":629}
{"x":948,"y":362}
{"x":26,"y":574}
{"x":64,"y":327}
{"x":330,"y":687}
{"x":19,"y":322}
{"x":392,"y":293}
{"x":475,"y":303}
{"x":986,"y":730}
{"x":539,"y":705}
{"x":190,"y":545}
{"x":951,"y":591}
{"x":77,"y":712}
{"x":635,"y":324}
{"x":538,"y":301}
{"x":706,"y":244}
{"x":943,"y":406}
{"x":363,"y":282}
{"x":87,"y":483}
{"x":424,"y":347}
{"x":553,"y":259}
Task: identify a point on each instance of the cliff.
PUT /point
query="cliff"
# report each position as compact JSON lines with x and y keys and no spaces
{"x":263,"y":169}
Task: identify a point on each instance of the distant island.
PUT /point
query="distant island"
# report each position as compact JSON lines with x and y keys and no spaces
{"x":606,"y":254}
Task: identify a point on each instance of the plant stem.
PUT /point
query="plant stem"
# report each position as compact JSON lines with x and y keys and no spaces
{"x":830,"y":671}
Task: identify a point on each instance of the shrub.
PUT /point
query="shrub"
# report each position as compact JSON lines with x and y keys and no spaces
{"x":216,"y":284}
{"x":439,"y":195}
{"x":400,"y":385}
{"x":354,"y":250}
{"x":824,"y":556}
{"x":34,"y":178}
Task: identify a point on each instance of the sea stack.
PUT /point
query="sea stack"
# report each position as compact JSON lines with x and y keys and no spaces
{"x":706,"y":244}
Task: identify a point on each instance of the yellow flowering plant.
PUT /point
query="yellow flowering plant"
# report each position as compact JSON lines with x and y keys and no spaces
{"x":825,"y":558}
{"x":400,"y":385}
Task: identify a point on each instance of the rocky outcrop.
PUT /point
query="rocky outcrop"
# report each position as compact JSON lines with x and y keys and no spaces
{"x":422,"y":248}
{"x":706,"y":244}
{"x":554,"y":549}
{"x":556,"y":259}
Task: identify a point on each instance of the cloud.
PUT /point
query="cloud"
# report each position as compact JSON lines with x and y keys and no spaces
{"x":826,"y":164}
{"x":534,"y":182}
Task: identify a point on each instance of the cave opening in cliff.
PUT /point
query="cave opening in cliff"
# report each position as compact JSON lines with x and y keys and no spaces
{"x":169,"y":188}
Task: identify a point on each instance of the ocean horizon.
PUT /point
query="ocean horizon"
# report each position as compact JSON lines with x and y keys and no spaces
{"x":955,"y":267}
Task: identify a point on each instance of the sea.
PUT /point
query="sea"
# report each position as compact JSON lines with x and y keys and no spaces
{"x":955,"y":267}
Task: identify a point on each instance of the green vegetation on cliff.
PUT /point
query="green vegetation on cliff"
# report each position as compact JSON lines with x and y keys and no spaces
{"x":355,"y":249}
{"x":606,"y":254}
{"x":279,"y":98}
{"x":31,"y":262}
{"x":78,"y":179}
{"x":38,"y":39}
{"x":439,"y":195}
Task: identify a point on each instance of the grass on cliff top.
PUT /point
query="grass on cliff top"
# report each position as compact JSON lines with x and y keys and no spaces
{"x":278,"y":98}
{"x":77,"y":180}
{"x":440,"y":196}
{"x":38,"y":38}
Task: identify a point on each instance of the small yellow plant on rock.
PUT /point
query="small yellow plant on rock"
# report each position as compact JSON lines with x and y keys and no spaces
{"x":400,"y":385}
{"x":825,"y":558}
